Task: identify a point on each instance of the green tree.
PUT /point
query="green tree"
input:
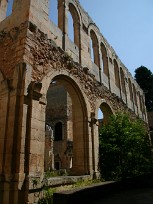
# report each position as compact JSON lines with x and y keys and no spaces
{"x":144,"y":78}
{"x":124,"y":149}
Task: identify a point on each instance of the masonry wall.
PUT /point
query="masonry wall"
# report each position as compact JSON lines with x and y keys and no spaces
{"x":33,"y":52}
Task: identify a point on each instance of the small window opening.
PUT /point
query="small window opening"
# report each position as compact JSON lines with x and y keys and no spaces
{"x":53,"y":11}
{"x":91,"y":50}
{"x":9,"y":8}
{"x":58,"y":131}
{"x":70,"y":27}
{"x":57,"y":165}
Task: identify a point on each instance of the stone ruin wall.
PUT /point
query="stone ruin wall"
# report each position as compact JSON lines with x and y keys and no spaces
{"x":20,"y":45}
{"x":32,"y":48}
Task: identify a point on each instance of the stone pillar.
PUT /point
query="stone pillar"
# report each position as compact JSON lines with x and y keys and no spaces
{"x":63,"y":20}
{"x":12,"y":169}
{"x":95,"y":145}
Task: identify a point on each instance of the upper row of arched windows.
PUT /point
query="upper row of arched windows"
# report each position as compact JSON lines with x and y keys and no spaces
{"x":97,"y":50}
{"x":74,"y":34}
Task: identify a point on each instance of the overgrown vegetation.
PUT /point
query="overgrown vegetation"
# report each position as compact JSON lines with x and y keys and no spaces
{"x":48,"y":192}
{"x":124,"y":148}
{"x":48,"y":196}
{"x":56,"y":173}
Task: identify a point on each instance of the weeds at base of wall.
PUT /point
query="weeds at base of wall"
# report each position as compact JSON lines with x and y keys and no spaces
{"x":48,"y":192}
{"x":48,"y":196}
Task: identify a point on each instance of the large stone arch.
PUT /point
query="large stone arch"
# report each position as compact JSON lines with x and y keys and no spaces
{"x":108,"y":111}
{"x":81,"y":161}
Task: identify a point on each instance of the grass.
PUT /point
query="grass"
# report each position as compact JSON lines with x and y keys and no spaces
{"x":48,"y":192}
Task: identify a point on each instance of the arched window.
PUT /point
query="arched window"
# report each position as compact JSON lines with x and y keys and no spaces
{"x":116,"y":72}
{"x":140,"y":102}
{"x":94,"y":48}
{"x":74,"y":25}
{"x":104,"y":59}
{"x":53,"y":11}
{"x":130,"y":89}
{"x":70,"y":27}
{"x":122,"y":81}
{"x":9,"y":7}
{"x":5,"y":8}
{"x":58,"y":134}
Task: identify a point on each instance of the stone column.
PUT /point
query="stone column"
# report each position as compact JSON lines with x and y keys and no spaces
{"x":95,"y":145}
{"x":14,"y":137}
{"x":63,"y":20}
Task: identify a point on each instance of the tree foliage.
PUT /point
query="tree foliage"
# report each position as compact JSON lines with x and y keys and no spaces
{"x":124,"y":149}
{"x":144,"y":78}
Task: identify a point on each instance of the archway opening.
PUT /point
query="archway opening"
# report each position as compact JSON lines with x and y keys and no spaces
{"x":104,"y":114}
{"x":70,"y":27}
{"x":94,"y":48}
{"x":74,"y":25}
{"x":65,"y":140}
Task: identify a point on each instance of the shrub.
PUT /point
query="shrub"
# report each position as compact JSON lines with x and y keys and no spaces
{"x":124,"y":149}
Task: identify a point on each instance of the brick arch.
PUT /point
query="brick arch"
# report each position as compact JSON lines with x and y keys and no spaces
{"x":80,"y":122}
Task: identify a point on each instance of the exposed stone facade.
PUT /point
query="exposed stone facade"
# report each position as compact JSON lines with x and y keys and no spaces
{"x":33,"y":53}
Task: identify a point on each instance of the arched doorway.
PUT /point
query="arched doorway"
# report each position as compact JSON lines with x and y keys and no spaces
{"x":104,"y":113}
{"x":66,"y":117}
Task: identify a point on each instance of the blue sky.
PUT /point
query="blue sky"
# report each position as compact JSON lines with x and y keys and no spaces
{"x":126,"y":24}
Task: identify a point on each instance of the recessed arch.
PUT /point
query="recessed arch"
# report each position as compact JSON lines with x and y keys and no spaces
{"x":140,"y":102}
{"x":135,"y":94}
{"x":130,"y":90}
{"x":79,"y":116}
{"x":76,"y":24}
{"x":94,"y":47}
{"x":122,"y":81}
{"x":116,"y":73}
